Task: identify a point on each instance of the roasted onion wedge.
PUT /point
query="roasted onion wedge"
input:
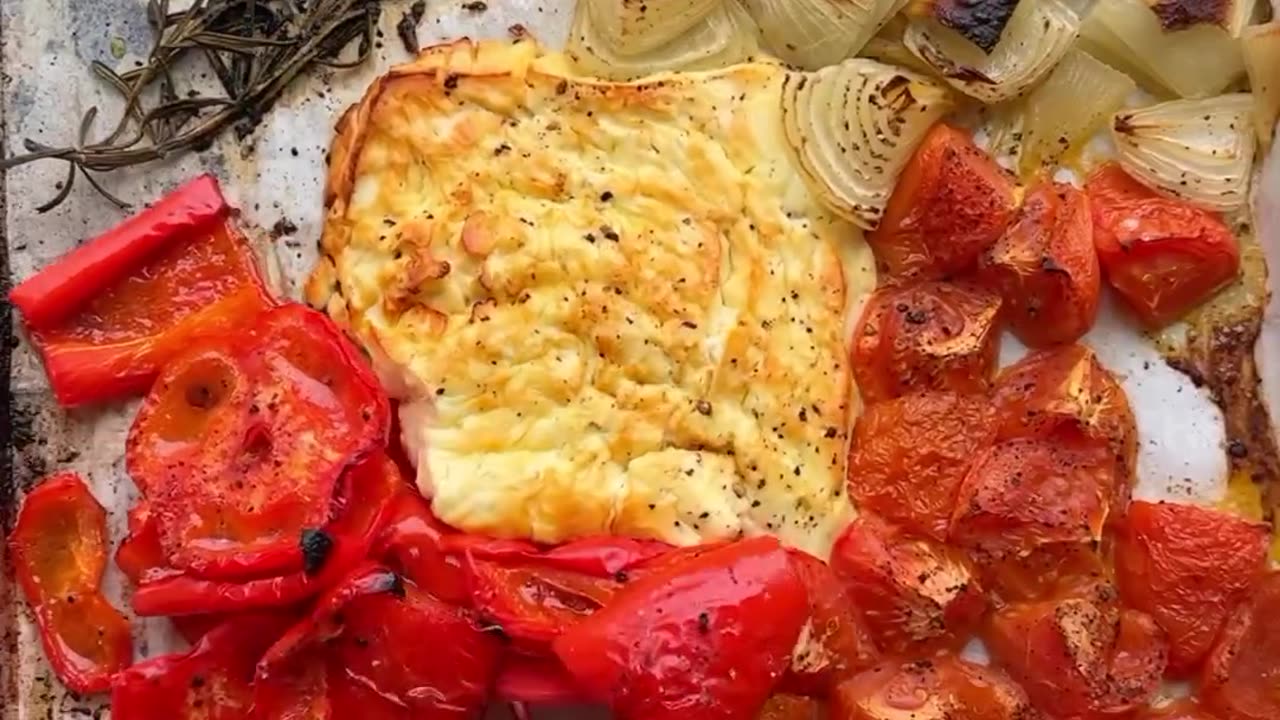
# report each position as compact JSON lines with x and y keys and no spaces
{"x":634,"y":28}
{"x":724,"y":37}
{"x":1037,"y":36}
{"x":812,"y":34}
{"x":853,"y":126}
{"x":1198,"y":150}
{"x":1196,"y":60}
{"x":1262,"y":59}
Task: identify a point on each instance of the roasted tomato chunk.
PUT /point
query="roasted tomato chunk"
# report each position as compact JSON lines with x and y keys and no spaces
{"x":1045,"y":267}
{"x":943,"y":687}
{"x":1241,"y":677}
{"x":1065,"y":391}
{"x":910,"y":454}
{"x":1044,"y":573}
{"x":723,"y":624}
{"x":1028,"y":492}
{"x":838,"y":642}
{"x":791,"y":707}
{"x":1163,"y":256}
{"x":1080,"y":656}
{"x":952,"y":201}
{"x":1188,"y":567}
{"x":1185,"y":709}
{"x":914,"y":593}
{"x":930,"y":336}
{"x":240,"y":444}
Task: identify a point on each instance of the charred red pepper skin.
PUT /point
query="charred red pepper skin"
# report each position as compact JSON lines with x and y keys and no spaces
{"x":724,"y":623}
{"x":60,"y":289}
{"x":59,"y":548}
{"x":363,"y":517}
{"x":216,"y":674}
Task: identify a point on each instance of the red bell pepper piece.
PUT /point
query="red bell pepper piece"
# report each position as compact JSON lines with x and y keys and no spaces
{"x":60,"y":289}
{"x":373,"y":489}
{"x":213,"y":681}
{"x":59,"y":549}
{"x":708,"y":637}
{"x":536,"y":681}
{"x":413,"y":544}
{"x":124,"y":322}
{"x":534,"y":604}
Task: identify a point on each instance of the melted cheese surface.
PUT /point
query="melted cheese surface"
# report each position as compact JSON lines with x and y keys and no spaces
{"x":606,"y":308}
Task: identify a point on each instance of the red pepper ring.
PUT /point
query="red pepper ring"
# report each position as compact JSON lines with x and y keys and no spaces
{"x":61,"y":288}
{"x":240,"y":444}
{"x":374,"y":485}
{"x":59,"y":548}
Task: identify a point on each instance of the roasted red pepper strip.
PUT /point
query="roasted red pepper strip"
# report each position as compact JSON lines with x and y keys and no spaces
{"x":373,"y":487}
{"x":211,"y":682}
{"x":203,"y":282}
{"x":534,"y":604}
{"x":241,"y":443}
{"x":707,"y":637}
{"x":536,"y":681}
{"x":413,"y":545}
{"x":59,"y":290}
{"x":59,"y":549}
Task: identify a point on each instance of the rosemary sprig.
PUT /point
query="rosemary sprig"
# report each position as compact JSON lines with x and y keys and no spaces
{"x":256,"y":48}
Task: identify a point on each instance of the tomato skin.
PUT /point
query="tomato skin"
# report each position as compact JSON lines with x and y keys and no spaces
{"x":59,"y":549}
{"x":1188,"y":567}
{"x":909,"y":456}
{"x":951,"y":202}
{"x":1163,"y":256}
{"x":1064,"y":392}
{"x":839,"y":643}
{"x":1045,"y":267}
{"x":914,"y":593}
{"x":943,"y":687}
{"x":241,"y":443}
{"x":702,"y":616}
{"x":1080,"y":656}
{"x":1049,"y":571}
{"x":928,"y":336}
{"x":1024,"y":493}
{"x":1239,"y":679}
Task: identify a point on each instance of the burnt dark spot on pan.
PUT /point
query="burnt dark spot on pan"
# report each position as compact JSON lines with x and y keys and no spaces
{"x":1182,"y":14}
{"x":981,"y":22}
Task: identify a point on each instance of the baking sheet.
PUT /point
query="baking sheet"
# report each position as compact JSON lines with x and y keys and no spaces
{"x":276,"y":175}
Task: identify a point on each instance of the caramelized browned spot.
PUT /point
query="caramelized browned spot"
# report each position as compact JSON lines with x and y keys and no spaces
{"x":979,"y":21}
{"x":1182,"y":14}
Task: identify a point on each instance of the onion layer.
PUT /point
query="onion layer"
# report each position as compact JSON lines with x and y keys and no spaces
{"x":1198,"y":61}
{"x":1262,"y":59}
{"x":633,"y":28}
{"x":812,"y":34}
{"x":724,"y":37}
{"x":1037,"y":36}
{"x":854,"y":126}
{"x":1198,"y":150}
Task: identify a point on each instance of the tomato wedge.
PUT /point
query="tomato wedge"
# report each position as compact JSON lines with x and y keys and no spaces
{"x":1163,"y":256}
{"x":59,"y":549}
{"x":928,"y":336}
{"x":1065,"y":393}
{"x":915,"y":594}
{"x":943,"y":687}
{"x":1239,"y":681}
{"x":1080,"y":656}
{"x":723,"y":623}
{"x":909,"y":456}
{"x":1024,"y":493}
{"x":951,"y":202}
{"x":838,"y":642}
{"x":1188,"y":567}
{"x":1045,"y":267}
{"x":240,"y":445}
{"x":1185,"y":709}
{"x":211,"y":682}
